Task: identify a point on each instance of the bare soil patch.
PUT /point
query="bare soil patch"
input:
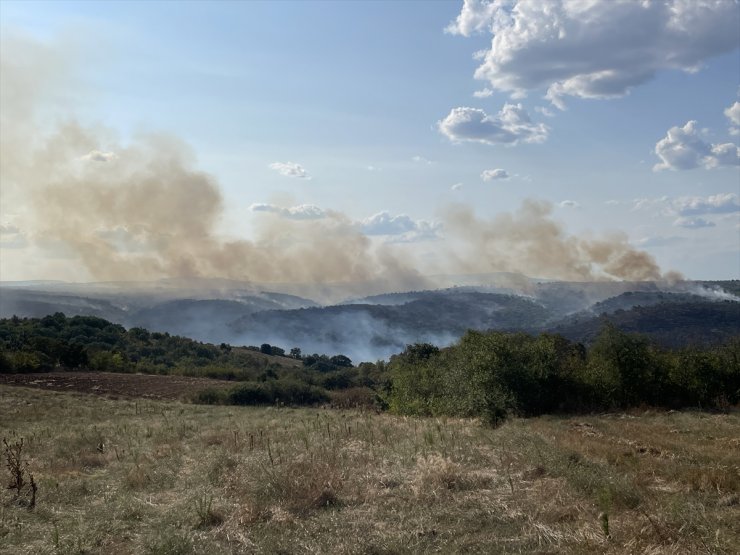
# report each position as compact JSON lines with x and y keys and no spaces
{"x":112,"y":384}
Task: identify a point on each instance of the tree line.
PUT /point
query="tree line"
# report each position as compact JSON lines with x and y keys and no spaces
{"x":490,"y":375}
{"x":494,"y":374}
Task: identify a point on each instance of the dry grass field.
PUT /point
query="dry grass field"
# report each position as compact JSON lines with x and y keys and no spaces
{"x":166,"y":477}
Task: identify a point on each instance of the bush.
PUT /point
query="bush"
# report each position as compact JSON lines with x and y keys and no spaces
{"x":250,"y":394}
{"x":211,"y":396}
{"x":356,"y":397}
{"x":287,"y":392}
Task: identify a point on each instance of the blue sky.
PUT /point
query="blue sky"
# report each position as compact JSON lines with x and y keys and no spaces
{"x":359,"y":97}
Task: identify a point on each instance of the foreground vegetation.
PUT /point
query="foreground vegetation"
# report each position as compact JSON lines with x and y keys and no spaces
{"x":164,"y":477}
{"x":495,"y":375}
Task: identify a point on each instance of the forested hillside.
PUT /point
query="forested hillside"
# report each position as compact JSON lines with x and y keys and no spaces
{"x":671,"y":324}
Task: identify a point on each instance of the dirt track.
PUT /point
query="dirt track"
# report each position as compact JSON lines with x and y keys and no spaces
{"x":111,"y":384}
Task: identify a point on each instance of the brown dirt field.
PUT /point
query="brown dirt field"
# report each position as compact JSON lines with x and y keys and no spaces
{"x":112,"y":384}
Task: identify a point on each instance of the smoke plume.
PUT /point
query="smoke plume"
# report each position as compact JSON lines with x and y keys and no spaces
{"x":142,"y":210}
{"x":531,"y":242}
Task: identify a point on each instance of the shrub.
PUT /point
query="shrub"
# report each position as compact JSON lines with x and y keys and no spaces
{"x":211,"y":396}
{"x":250,"y":394}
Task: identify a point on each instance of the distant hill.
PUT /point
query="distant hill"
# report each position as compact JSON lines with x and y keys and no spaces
{"x":631,"y":299}
{"x":671,"y":324}
{"x":377,"y":326}
{"x":209,"y":320}
{"x":371,"y":331}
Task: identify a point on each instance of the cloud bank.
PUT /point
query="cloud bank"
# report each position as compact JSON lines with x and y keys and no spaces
{"x":723,"y":203}
{"x":594,"y":49}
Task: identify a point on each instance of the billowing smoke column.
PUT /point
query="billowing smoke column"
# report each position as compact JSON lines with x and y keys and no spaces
{"x":532,"y":243}
{"x":142,"y":211}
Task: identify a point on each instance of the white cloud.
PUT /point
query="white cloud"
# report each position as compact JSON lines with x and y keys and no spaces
{"x":99,"y":156}
{"x":510,"y":126}
{"x":693,"y":223}
{"x":687,"y":211}
{"x":733,"y":114}
{"x":569,"y":204}
{"x":300,"y":212}
{"x":403,"y":228}
{"x":683,"y":149}
{"x":491,"y":175}
{"x":483,"y":93}
{"x":594,"y":49}
{"x":475,"y":16}
{"x":290,"y":169}
{"x":723,"y":203}
{"x":457,"y":186}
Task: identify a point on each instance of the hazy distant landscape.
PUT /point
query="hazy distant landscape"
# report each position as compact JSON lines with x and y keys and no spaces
{"x":378,"y":326}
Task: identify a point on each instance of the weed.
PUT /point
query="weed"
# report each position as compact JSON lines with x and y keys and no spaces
{"x":604,"y":521}
{"x":19,"y":471}
{"x":207,"y":516}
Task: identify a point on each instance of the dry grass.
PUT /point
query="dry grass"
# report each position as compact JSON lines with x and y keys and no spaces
{"x":168,"y":478}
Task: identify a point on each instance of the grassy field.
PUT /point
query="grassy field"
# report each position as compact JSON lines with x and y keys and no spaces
{"x":164,"y":477}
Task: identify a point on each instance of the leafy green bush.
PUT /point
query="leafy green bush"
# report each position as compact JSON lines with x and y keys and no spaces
{"x":494,"y":374}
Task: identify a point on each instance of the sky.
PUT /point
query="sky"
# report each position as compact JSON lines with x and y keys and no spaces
{"x":419,"y":129}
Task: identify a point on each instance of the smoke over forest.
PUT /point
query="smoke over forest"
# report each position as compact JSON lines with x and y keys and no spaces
{"x":144,"y":211}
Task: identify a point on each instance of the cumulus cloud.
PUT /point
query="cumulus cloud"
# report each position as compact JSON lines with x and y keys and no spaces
{"x":510,"y":126}
{"x":492,"y":175}
{"x":457,"y":186}
{"x":733,"y":114}
{"x":591,"y":49}
{"x":98,"y":156}
{"x":300,"y":212}
{"x":569,"y":204}
{"x":401,"y":226}
{"x":290,"y":169}
{"x":683,"y":149}
{"x":693,"y":223}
